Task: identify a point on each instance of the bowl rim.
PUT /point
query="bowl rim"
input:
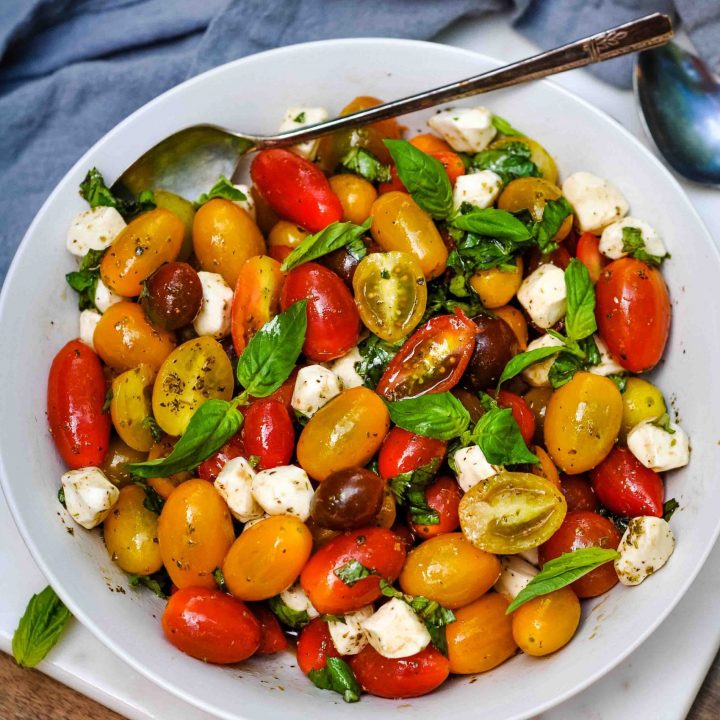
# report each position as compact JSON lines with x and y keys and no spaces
{"x":6,"y":485}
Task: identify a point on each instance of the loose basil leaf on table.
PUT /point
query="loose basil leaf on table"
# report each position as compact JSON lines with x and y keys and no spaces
{"x":493,"y":223}
{"x":409,"y":491}
{"x":210,"y":427}
{"x":525,"y":359}
{"x":338,"y":677}
{"x":333,"y":237}
{"x":424,"y":177}
{"x":98,"y":194}
{"x":580,"y":300}
{"x":271,"y":354}
{"x":563,"y":571}
{"x":437,"y":415}
{"x":498,"y":436}
{"x":224,"y":189}
{"x":363,"y":163}
{"x":39,"y":628}
{"x":511,"y":161}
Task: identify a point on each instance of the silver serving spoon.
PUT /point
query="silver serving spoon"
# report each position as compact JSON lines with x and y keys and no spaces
{"x":190,"y":161}
{"x":680,"y":102}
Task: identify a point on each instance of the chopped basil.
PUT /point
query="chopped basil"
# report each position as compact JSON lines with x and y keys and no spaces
{"x":338,"y":677}
{"x":98,"y":194}
{"x":84,"y":280}
{"x":300,"y":117}
{"x":664,"y":423}
{"x":152,"y":502}
{"x":333,"y":237}
{"x":159,"y":583}
{"x":363,"y":163}
{"x":504,"y":127}
{"x":151,"y":424}
{"x":219,"y":578}
{"x":287,"y":615}
{"x":669,"y":508}
{"x":553,"y":217}
{"x":441,"y":301}
{"x":61,"y":497}
{"x":620,"y":521}
{"x":437,"y":415}
{"x":620,"y":381}
{"x":376,"y":355}
{"x":409,"y":491}
{"x":224,"y":189}
{"x":353,"y":571}
{"x":634,"y":244}
{"x":511,"y":161}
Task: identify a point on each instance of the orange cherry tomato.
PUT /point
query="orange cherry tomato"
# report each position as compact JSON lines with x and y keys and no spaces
{"x":633,"y":313}
{"x":211,"y":626}
{"x":546,"y":467}
{"x":432,"y":360}
{"x":356,"y":196}
{"x":154,"y":238}
{"x":429,"y":143}
{"x":588,"y":252}
{"x":452,"y":162}
{"x":315,"y":646}
{"x":377,"y":549}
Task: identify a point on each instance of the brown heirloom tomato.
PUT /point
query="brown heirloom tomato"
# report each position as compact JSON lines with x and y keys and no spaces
{"x":75,"y":398}
{"x":150,"y":240}
{"x":343,"y":434}
{"x":494,"y":346}
{"x":195,"y":532}
{"x":443,"y":496}
{"x":224,"y":237}
{"x":376,"y":549}
{"x":172,"y":296}
{"x":578,"y":493}
{"x":432,"y":360}
{"x":582,"y":530}
{"x":315,"y":646}
{"x":211,"y":626}
{"x":333,"y":324}
{"x":633,"y":313}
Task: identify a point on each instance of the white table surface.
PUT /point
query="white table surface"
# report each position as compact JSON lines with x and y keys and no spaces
{"x":659,"y":680}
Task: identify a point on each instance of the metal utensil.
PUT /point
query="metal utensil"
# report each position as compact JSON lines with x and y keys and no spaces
{"x":680,"y":102}
{"x":189,"y":161}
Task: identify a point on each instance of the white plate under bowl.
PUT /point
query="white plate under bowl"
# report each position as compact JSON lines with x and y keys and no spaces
{"x":38,"y":315}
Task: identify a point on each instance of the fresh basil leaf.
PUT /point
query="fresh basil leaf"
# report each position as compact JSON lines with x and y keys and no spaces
{"x":620,"y":381}
{"x":424,"y":177}
{"x":376,"y":355}
{"x":563,"y":571}
{"x":333,"y":237}
{"x":437,"y":415}
{"x":84,"y":280}
{"x":286,"y":615}
{"x":224,"y":189}
{"x":210,"y":427}
{"x":663,"y":422}
{"x":442,"y":301}
{"x":511,"y":161}
{"x":61,"y":497}
{"x":363,"y":163}
{"x":338,"y":677}
{"x":620,"y":521}
{"x":155,"y":430}
{"x":499,"y":437}
{"x":409,"y":491}
{"x":564,"y":368}
{"x":271,"y":354}
{"x":39,"y":628}
{"x":97,"y":193}
{"x":158,"y":583}
{"x":352,"y":572}
{"x":669,"y":508}
{"x":504,"y":127}
{"x":493,"y":223}
{"x":219,"y":578}
{"x":525,"y":359}
{"x":553,"y":217}
{"x":152,"y":502}
{"x":634,"y":244}
{"x":580,"y":299}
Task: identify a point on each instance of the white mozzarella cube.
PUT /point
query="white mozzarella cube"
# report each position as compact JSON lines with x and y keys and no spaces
{"x":479,"y":189}
{"x":596,"y":201}
{"x":645,"y":547}
{"x":284,"y":490}
{"x":104,"y":296}
{"x":248,"y":204}
{"x":234,"y":484}
{"x":297,"y":117}
{"x":344,"y":368}
{"x":94,"y":229}
{"x":395,"y":630}
{"x":214,"y":316}
{"x":538,"y":374}
{"x":465,"y":129}
{"x":607,"y":365}
{"x":532,"y":556}
{"x":515,"y":575}
{"x":88,"y":322}
{"x":658,"y":449}
{"x":612,"y":242}
{"x":89,"y":496}
{"x":542,"y":294}
{"x":296,"y":599}
{"x":315,"y":386}
{"x":349,"y":637}
{"x":472,"y":466}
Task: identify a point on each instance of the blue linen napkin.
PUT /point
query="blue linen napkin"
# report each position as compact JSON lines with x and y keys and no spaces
{"x":72,"y":69}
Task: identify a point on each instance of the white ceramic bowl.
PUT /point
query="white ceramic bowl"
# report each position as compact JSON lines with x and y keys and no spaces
{"x":38,"y":315}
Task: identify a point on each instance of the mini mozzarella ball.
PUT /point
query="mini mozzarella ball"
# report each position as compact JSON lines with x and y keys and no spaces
{"x":612,"y":242}
{"x":395,"y":630}
{"x":516,"y":574}
{"x":542,"y":294}
{"x":315,"y":386}
{"x":607,"y":365}
{"x":596,"y":201}
{"x":214,"y":316}
{"x":646,"y":545}
{"x":349,"y":637}
{"x":479,"y":189}
{"x":538,"y":374}
{"x":345,"y":369}
{"x":248,"y":204}
{"x":88,"y":322}
{"x":532,"y":556}
{"x":234,"y":483}
{"x":296,"y":599}
{"x":94,"y":230}
{"x":472,"y":467}
{"x":657,"y":448}
{"x":284,"y":490}
{"x":297,"y":117}
{"x":465,"y":129}
{"x":104,"y":297}
{"x":89,"y":496}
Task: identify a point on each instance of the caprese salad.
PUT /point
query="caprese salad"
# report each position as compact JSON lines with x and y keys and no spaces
{"x":385,"y":403}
